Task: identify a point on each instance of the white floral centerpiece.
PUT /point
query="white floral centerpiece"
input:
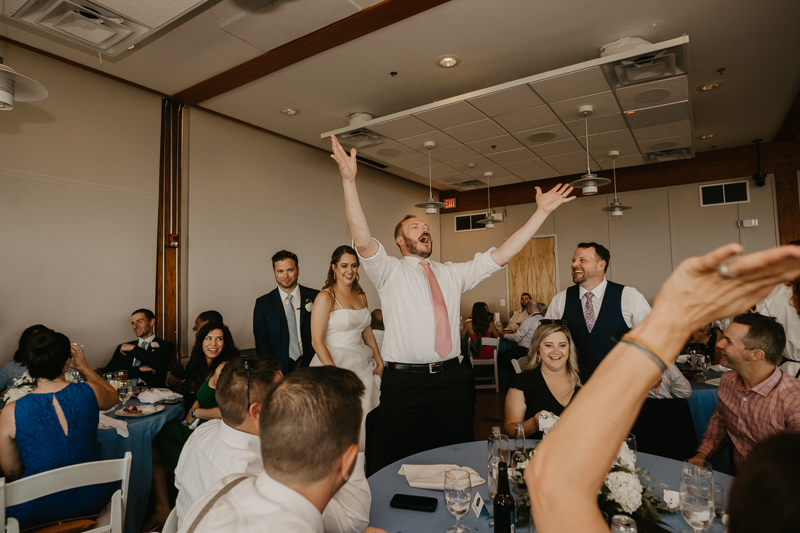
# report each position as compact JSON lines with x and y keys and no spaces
{"x":22,"y":386}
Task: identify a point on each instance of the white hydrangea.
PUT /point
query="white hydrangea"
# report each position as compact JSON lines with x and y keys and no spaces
{"x":625,"y":489}
{"x":22,"y":386}
{"x":626,"y":458}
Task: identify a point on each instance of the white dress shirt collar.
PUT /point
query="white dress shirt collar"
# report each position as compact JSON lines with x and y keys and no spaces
{"x":240,"y":440}
{"x":598,"y":291}
{"x":295,"y":296}
{"x":148,"y":340}
{"x":288,"y":498}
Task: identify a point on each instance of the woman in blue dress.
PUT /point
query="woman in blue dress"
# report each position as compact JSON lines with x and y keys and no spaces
{"x":55,"y":426}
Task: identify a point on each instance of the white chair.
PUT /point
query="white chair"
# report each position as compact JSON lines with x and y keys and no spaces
{"x":26,"y":489}
{"x":171,"y":525}
{"x":519,"y":364}
{"x":487,"y":341}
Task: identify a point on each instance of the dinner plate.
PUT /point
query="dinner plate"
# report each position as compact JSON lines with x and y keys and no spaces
{"x":146,"y":410}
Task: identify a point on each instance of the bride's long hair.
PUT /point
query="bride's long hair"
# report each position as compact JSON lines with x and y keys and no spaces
{"x":335,"y":258}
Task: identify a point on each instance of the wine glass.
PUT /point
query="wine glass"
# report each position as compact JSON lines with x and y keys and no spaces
{"x":719,"y":499}
{"x":631,"y":442}
{"x":697,"y":502}
{"x":504,"y":450}
{"x":125,"y":391}
{"x":457,"y":496}
{"x":692,"y":470}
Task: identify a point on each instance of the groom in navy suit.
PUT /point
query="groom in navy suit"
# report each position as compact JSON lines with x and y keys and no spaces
{"x":289,"y":303}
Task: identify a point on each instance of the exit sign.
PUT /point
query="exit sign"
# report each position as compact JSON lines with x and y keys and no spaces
{"x":449,"y":203}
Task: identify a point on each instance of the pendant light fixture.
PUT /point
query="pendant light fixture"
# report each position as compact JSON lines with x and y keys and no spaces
{"x":491,"y":217}
{"x":15,"y":86}
{"x":589,"y":182}
{"x":431,"y":205}
{"x":616,"y":208}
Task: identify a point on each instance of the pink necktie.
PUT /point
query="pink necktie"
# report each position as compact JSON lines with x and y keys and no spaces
{"x":443,"y":341}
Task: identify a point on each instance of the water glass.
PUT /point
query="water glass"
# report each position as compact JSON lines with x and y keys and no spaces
{"x":692,"y":470}
{"x":457,"y":496}
{"x":125,"y":392}
{"x":719,"y":499}
{"x":697,"y":502}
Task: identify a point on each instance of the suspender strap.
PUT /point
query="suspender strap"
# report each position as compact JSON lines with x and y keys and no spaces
{"x":204,"y":511}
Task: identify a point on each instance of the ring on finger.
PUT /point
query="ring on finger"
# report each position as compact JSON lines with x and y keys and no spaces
{"x":723,"y":270}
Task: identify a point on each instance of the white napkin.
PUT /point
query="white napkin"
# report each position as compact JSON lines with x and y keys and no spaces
{"x":158,"y":395}
{"x":714,"y":382}
{"x":432,"y":476}
{"x":106,"y":422}
{"x":546,"y":421}
{"x":682,"y":358}
{"x":719,"y":368}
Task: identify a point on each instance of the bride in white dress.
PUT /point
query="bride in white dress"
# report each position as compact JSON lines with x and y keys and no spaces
{"x":341,"y":332}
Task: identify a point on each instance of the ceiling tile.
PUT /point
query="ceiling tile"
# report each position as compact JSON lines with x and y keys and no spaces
{"x":526,"y":166}
{"x":495,"y":145}
{"x":599,"y":124}
{"x":437,"y":171}
{"x":575,"y":170}
{"x":512,"y":156}
{"x":603,"y":103}
{"x":653,"y":93}
{"x":455,"y":178}
{"x":450,"y":115}
{"x":547,"y":134}
{"x":660,"y":145}
{"x":662,"y":131}
{"x":541,"y":174}
{"x":481,"y":165}
{"x":557,"y":148}
{"x":475,"y":131}
{"x":453,"y":153}
{"x":527,"y":119}
{"x":387,"y":151}
{"x":572,"y":85}
{"x":501,"y":102}
{"x":401,"y":128}
{"x":609,"y":140}
{"x":417,"y":143}
{"x":410,"y":162}
{"x":504,"y":180}
{"x":563,"y":160}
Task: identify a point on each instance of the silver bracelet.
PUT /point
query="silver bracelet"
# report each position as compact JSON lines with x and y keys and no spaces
{"x":647,"y":352}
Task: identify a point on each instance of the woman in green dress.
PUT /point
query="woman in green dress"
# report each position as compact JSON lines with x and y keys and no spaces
{"x":213,"y":347}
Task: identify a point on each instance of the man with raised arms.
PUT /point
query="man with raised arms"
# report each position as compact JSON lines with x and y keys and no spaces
{"x":426,"y":395}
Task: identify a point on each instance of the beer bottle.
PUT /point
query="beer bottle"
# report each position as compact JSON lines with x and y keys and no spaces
{"x":503,"y":503}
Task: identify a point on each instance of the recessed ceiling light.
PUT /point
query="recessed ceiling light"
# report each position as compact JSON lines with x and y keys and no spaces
{"x":290,"y":111}
{"x":448,"y":61}
{"x":541,"y":137}
{"x":708,"y":136}
{"x":710,"y":86}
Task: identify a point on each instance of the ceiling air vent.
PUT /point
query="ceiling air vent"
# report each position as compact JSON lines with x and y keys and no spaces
{"x":648,"y":67}
{"x":668,"y":155}
{"x":107,"y":26}
{"x":361,"y":138}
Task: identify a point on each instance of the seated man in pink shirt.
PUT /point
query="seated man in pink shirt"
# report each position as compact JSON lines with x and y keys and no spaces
{"x":757,"y":400}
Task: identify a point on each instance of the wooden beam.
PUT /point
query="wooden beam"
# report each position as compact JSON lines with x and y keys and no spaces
{"x":790,"y":129}
{"x":788,"y":202}
{"x":343,"y":31}
{"x":730,"y":163}
{"x":168,"y":267}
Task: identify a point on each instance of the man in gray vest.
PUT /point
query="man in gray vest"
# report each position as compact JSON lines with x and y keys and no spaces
{"x":598,"y":312}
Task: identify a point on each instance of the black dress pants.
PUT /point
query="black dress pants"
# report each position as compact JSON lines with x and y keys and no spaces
{"x":419,"y":412}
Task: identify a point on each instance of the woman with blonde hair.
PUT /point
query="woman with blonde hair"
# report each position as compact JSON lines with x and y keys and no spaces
{"x":340,"y":328}
{"x":547,"y":383}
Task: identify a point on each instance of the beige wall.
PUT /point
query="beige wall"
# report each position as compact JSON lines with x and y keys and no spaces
{"x":251,"y":194}
{"x":665,"y":226}
{"x":78,"y":202}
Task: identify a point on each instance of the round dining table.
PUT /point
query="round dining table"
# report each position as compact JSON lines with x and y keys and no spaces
{"x":387,"y":482}
{"x":141,"y":432}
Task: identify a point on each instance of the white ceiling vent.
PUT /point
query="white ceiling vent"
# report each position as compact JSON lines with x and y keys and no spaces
{"x":108,"y":26}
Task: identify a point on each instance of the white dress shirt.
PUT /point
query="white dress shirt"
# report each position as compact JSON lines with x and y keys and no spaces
{"x":296,"y":303}
{"x":778,"y":304}
{"x":517,"y":319}
{"x":256,"y":505}
{"x":526,"y":330}
{"x":378,"y":338}
{"x":673,"y":385}
{"x":215,"y":451}
{"x":634,"y":307}
{"x":407,"y":305}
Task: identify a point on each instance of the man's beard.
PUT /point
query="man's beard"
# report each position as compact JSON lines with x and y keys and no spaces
{"x":580,"y":280}
{"x":413,"y":249}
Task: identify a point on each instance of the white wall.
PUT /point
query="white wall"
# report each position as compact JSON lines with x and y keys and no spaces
{"x":251,"y":194}
{"x":78,"y":203}
{"x":665,"y":226}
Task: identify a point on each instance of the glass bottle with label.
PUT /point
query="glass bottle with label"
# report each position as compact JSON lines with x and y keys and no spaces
{"x":504,"y":518}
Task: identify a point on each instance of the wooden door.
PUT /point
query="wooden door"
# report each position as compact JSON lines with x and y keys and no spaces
{"x":533,"y":271}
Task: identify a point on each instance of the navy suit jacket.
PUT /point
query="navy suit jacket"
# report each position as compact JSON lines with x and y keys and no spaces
{"x":156,"y":358}
{"x":271,"y":331}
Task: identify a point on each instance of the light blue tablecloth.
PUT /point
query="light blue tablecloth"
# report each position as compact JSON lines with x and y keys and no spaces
{"x":387,"y":482}
{"x":141,"y":431}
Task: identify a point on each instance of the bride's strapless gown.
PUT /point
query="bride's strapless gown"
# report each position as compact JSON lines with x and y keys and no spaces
{"x":346,"y":346}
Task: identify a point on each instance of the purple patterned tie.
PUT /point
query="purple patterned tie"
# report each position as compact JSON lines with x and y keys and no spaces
{"x":588,"y":312}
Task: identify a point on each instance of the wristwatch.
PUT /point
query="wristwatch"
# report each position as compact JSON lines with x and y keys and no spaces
{"x":193,"y":414}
